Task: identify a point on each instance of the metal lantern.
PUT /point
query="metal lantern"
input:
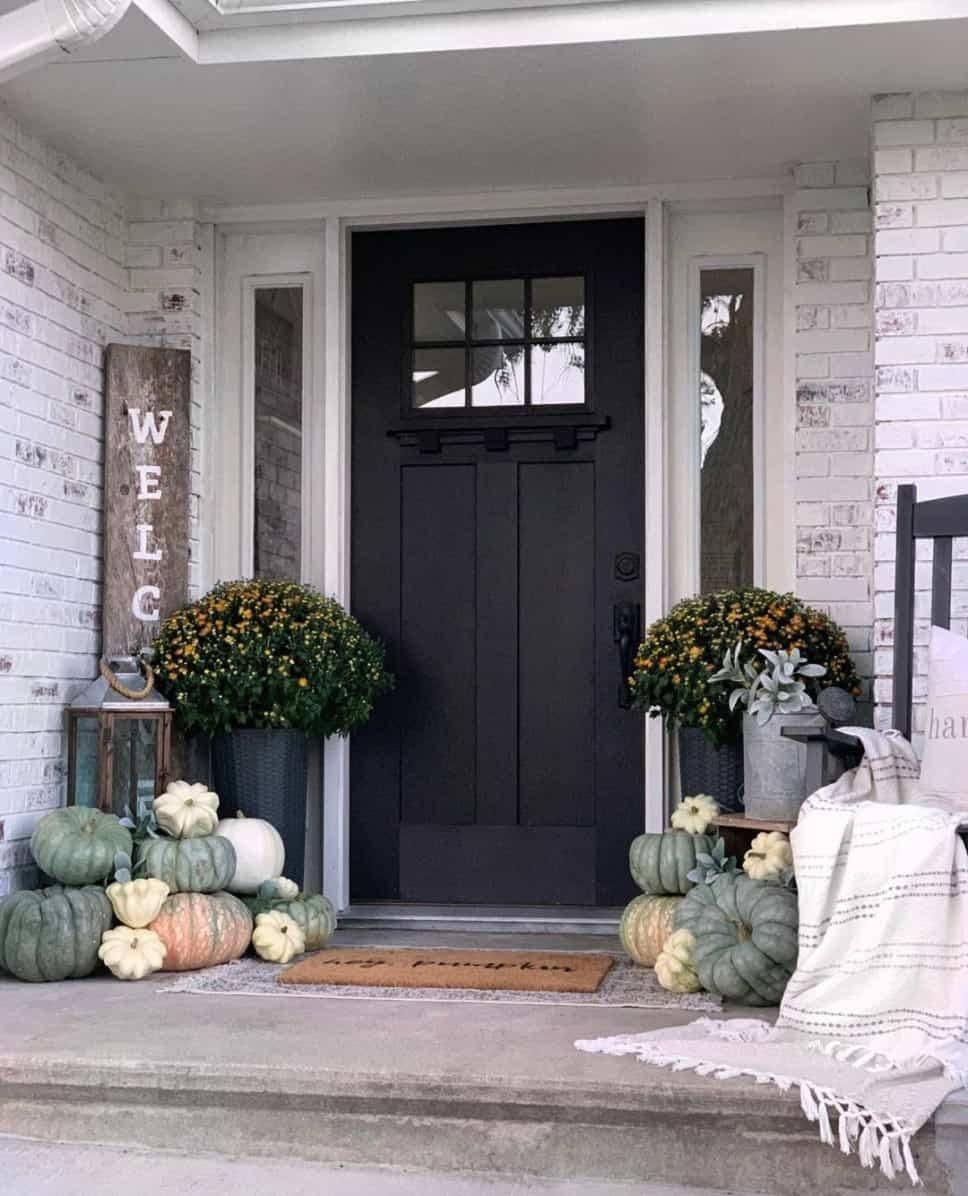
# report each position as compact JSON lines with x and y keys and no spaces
{"x":118,"y":740}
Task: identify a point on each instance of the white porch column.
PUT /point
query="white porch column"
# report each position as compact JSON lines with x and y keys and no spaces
{"x":921,"y":319}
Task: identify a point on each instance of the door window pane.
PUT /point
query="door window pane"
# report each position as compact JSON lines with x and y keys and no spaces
{"x":558,"y":373}
{"x":525,"y":345}
{"x":726,"y":428}
{"x":497,"y":376}
{"x":498,"y":310}
{"x":278,"y":432}
{"x":557,"y":307}
{"x":438,"y":377}
{"x":438,"y":311}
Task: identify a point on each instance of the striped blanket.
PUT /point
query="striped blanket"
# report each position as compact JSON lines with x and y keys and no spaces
{"x":873,"y":1028}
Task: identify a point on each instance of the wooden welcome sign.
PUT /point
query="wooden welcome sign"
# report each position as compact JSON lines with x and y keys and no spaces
{"x":147,"y":492}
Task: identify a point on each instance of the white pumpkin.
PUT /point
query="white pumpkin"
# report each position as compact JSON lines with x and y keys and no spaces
{"x":259,"y":852}
{"x":277,"y":937}
{"x":675,"y":969}
{"x":770,"y":856}
{"x":695,"y":814}
{"x":186,"y":811}
{"x":132,"y":954}
{"x":137,"y":902}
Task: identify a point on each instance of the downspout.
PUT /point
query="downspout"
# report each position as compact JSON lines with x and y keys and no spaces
{"x":43,"y":30}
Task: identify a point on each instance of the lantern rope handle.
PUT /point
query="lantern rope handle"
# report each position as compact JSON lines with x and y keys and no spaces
{"x":119,"y":687}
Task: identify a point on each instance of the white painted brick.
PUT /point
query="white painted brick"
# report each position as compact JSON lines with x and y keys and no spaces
{"x":850,"y":222}
{"x":67,"y":268}
{"x":892,"y":161}
{"x":892,"y":106}
{"x":942,"y":103}
{"x":813,"y":365}
{"x":832,"y":246}
{"x":815,"y":174}
{"x":842,"y":340}
{"x":938,"y":212}
{"x":824,"y":199}
{"x":852,"y":365}
{"x":943,"y":377}
{"x":953,"y":129}
{"x":940,"y":159}
{"x":905,"y":350}
{"x":832,"y":292}
{"x":852,"y":172}
{"x":954,"y":240}
{"x":943,"y":265}
{"x":911,"y":240}
{"x":895,"y":269}
{"x":907,"y":187}
{"x":850,"y":269}
{"x":903,"y":132}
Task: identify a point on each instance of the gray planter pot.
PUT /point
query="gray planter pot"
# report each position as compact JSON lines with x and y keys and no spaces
{"x":707,"y":769}
{"x":263,"y":774}
{"x":775,"y":769}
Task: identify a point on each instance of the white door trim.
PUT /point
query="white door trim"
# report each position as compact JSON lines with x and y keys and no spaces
{"x":327,"y":509}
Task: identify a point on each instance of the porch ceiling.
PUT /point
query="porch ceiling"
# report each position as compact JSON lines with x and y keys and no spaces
{"x":735,"y":106}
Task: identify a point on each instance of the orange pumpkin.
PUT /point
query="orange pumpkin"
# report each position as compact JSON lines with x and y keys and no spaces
{"x":200,"y":930}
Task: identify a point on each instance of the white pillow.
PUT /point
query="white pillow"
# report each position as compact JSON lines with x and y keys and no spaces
{"x":944,"y":764}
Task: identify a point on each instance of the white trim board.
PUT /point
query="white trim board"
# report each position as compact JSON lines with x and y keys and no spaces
{"x":324,"y":231}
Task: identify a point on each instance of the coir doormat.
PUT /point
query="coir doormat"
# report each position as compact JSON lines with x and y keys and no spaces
{"x":411,"y":967}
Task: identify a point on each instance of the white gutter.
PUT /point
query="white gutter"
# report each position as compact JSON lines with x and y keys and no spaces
{"x":43,"y":30}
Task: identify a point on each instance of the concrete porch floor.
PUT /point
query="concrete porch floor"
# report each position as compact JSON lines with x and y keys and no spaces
{"x":459,"y":1088}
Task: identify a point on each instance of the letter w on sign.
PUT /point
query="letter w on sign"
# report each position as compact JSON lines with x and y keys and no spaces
{"x":145,"y":425}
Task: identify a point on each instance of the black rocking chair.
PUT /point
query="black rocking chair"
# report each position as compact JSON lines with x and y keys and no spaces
{"x":940,"y":520}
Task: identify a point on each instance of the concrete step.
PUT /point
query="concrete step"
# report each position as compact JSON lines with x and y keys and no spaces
{"x":31,"y":1168}
{"x":441,"y":1088}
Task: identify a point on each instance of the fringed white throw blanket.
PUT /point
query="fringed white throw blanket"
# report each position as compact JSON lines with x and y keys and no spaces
{"x":873,"y":1027}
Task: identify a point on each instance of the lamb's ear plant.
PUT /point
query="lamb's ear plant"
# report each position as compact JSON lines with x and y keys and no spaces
{"x":778,"y":688}
{"x":710,"y":864}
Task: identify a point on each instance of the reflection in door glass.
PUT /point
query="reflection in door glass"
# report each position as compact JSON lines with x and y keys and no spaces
{"x":726,"y":428}
{"x":558,"y":373}
{"x":438,"y":377}
{"x":497,"y":376}
{"x":278,"y":432}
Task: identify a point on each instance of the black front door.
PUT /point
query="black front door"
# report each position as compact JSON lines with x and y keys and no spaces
{"x":496,"y":529}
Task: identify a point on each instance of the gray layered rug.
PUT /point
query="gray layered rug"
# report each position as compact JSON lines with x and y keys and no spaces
{"x":628,"y":984}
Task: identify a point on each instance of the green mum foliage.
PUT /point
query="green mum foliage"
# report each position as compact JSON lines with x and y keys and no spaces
{"x":676,"y":662}
{"x":266,"y":653}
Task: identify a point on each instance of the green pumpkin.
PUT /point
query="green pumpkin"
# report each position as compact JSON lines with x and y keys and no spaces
{"x":77,"y":845}
{"x":746,"y":937}
{"x":53,"y":934}
{"x":315,"y":915}
{"x":660,"y":863}
{"x":188,"y":865}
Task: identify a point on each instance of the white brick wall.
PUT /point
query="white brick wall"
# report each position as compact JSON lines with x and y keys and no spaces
{"x":835,"y":410}
{"x":62,"y":278}
{"x":921,"y":301}
{"x":78,"y":269}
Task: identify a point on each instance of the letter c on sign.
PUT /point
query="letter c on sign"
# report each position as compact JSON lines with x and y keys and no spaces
{"x":138,"y":607}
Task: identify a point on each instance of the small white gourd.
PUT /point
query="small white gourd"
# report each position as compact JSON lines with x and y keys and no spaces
{"x":695,"y":815}
{"x":278,"y":938}
{"x":137,"y":902}
{"x":770,"y":856}
{"x":186,"y":811}
{"x":131,"y":954}
{"x":675,"y":968}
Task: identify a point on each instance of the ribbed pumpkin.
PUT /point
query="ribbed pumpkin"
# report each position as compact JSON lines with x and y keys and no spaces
{"x":188,"y":865}
{"x":77,"y":845}
{"x":314,"y":915}
{"x":53,"y":934}
{"x":659,"y":863}
{"x":200,"y":930}
{"x":746,"y":937}
{"x":646,"y":924}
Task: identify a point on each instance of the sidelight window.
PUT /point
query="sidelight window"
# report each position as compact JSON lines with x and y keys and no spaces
{"x":278,"y":376}
{"x":511,"y":342}
{"x":726,"y":377}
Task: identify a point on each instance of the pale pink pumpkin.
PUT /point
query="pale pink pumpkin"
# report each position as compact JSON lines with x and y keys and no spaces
{"x":201,"y":930}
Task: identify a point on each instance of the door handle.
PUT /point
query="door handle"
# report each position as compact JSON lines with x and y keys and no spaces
{"x":626,"y":632}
